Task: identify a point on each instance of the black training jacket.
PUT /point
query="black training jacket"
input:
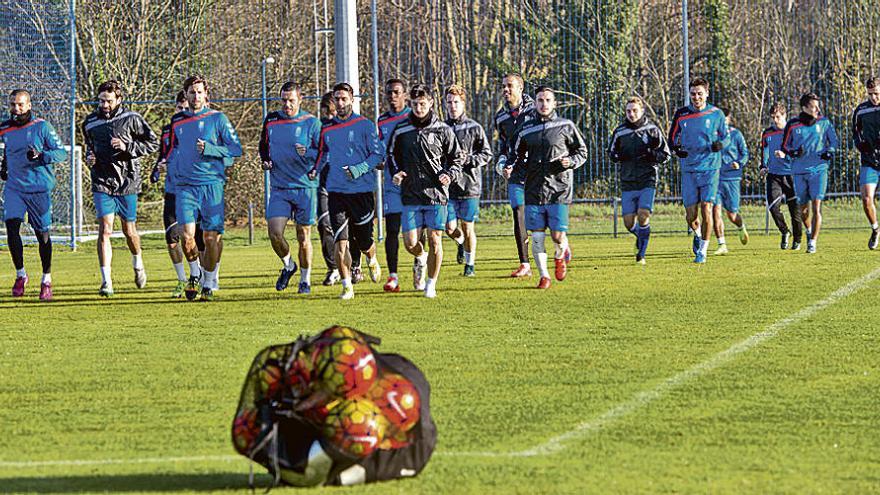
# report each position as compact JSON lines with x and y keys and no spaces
{"x":639,"y":148}
{"x":118,"y":172}
{"x":478,"y":153}
{"x":541,"y":143}
{"x":424,"y":151}
{"x":866,"y":133}
{"x":507,"y":121}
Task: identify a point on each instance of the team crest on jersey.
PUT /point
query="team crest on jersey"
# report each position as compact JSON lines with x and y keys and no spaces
{"x":201,"y":125}
{"x":708,"y":124}
{"x":298,"y":132}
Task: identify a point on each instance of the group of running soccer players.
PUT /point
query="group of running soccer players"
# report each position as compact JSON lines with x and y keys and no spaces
{"x":322,"y":170}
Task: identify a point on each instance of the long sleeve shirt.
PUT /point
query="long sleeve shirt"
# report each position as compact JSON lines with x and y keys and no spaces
{"x":281,"y":133}
{"x":192,"y":168}
{"x":386,"y":123}
{"x":771,"y":142}
{"x":352,"y":143}
{"x":811,"y":138}
{"x":736,"y":151}
{"x":694,"y":131}
{"x":25,"y":175}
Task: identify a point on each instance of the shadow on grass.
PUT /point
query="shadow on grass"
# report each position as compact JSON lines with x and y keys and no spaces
{"x":154,"y":482}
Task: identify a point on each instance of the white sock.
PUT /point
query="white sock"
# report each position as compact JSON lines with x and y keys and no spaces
{"x":346,"y":283}
{"x":539,"y":253}
{"x":469,"y":258}
{"x":195,"y":270}
{"x":721,"y":241}
{"x":561,"y":248}
{"x":105,"y":275}
{"x":704,"y":247}
{"x":875,"y":226}
{"x":459,"y":239}
{"x":21,"y":273}
{"x":423,"y":258}
{"x":137,"y":262}
{"x":288,"y":263}
{"x":47,"y":278}
{"x":369,"y":260}
{"x":431,"y":284}
{"x":393,"y":275}
{"x":305,"y":275}
{"x":811,"y":242}
{"x":211,"y":279}
{"x":181,"y":271}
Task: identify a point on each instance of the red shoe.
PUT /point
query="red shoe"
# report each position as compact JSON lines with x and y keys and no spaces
{"x":392,"y":285}
{"x":544,"y":283}
{"x":46,"y":292}
{"x":523,"y":271}
{"x":561,"y":269}
{"x":18,"y":287}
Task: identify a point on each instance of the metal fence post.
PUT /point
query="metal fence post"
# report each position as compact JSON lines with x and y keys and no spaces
{"x":614,"y":202}
{"x":250,"y":223}
{"x":71,"y":156}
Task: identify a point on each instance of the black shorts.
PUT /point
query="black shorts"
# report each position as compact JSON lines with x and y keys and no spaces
{"x":353,"y":213}
{"x":172,"y":229}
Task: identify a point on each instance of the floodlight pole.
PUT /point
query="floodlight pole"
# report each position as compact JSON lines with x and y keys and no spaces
{"x":345,"y":25}
{"x":266,"y":180}
{"x":71,"y":157}
{"x":685,"y":62}
{"x":380,"y":175}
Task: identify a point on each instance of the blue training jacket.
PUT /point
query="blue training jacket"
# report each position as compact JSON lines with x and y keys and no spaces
{"x":31,"y":176}
{"x":771,"y":141}
{"x":813,"y":138}
{"x":695,"y":131}
{"x":735,"y":151}
{"x":281,"y":133}
{"x":386,"y":123}
{"x":192,"y":168}
{"x":352,"y":143}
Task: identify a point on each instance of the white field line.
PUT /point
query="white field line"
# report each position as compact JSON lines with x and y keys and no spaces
{"x":557,"y":443}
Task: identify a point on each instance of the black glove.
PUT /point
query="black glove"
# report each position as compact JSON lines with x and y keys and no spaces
{"x":654,"y":142}
{"x":154,"y":175}
{"x":33,"y":155}
{"x":679,"y":152}
{"x":615,"y":157}
{"x":796,"y":153}
{"x":826,"y":155}
{"x":865,"y":147}
{"x":4,"y":175}
{"x":717,"y":146}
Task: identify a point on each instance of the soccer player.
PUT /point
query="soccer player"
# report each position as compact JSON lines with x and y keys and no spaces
{"x":517,"y":108}
{"x":639,"y":147}
{"x":809,"y":141}
{"x":866,"y":135}
{"x":425,"y":158}
{"x":203,"y":144}
{"x":116,"y":138}
{"x":464,"y":192}
{"x":697,"y":135}
{"x":288,"y":148}
{"x":169,"y":219}
{"x":30,"y":147}
{"x":733,"y":159}
{"x":398,"y":111}
{"x":548,"y":148}
{"x":328,"y":111}
{"x":350,"y":147}
{"x":779,"y":183}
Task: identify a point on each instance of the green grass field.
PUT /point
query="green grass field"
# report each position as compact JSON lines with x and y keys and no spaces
{"x":758,"y":372}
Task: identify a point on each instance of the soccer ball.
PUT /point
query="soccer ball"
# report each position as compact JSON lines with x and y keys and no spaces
{"x":245,"y":429}
{"x":394,"y":439}
{"x":356,"y":426}
{"x":398,"y":399}
{"x":299,"y":374}
{"x":337,"y":332}
{"x":345,"y":368}
{"x":271,"y":383}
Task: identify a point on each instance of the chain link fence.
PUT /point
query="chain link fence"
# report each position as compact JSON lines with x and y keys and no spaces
{"x":594,"y":52}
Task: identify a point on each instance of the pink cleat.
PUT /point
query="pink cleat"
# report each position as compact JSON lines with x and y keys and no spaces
{"x":45,"y":292}
{"x":18,"y":288}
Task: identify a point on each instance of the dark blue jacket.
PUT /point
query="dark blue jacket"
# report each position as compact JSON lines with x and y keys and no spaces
{"x":771,"y":141}
{"x":192,"y":168}
{"x":386,"y":123}
{"x":735,"y":151}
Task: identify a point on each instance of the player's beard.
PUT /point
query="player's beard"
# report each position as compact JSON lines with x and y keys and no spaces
{"x":344,"y":112}
{"x":21,"y":118}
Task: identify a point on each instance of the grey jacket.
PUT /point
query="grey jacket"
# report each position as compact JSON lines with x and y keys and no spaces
{"x":639,"y":148}
{"x":478,"y":152}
